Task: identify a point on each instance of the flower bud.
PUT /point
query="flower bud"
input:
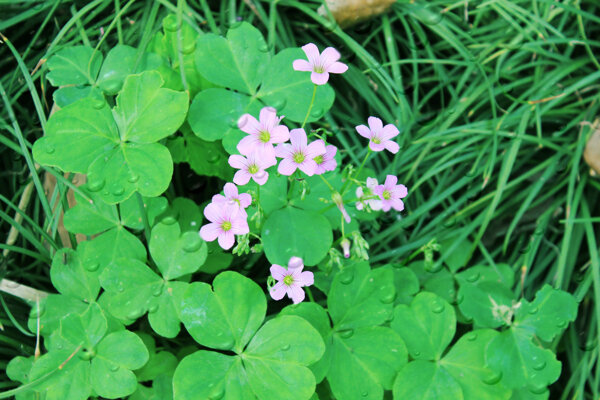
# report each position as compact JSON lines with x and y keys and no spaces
{"x":346,"y":247}
{"x":295,"y":262}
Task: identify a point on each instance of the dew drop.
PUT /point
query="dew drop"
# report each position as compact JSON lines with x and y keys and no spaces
{"x":317,"y":112}
{"x":279,"y":104}
{"x":364,"y":393}
{"x":86,"y":355}
{"x":433,"y":267}
{"x":459,"y":298}
{"x":168,"y":220}
{"x":98,"y":104}
{"x":437,"y":307}
{"x":192,"y":243}
{"x":114,"y":368}
{"x":471,"y":336}
{"x":188,"y":48}
{"x":93,"y":267}
{"x":263,"y":47}
{"x":286,"y":347}
{"x":562,"y":324}
{"x":539,"y":365}
{"x":59,"y":346}
{"x":38,"y":311}
{"x":236,"y":25}
{"x":233,"y":123}
{"x":120,"y":287}
{"x":157,"y":290}
{"x":536,"y":388}
{"x":492,"y":378}
{"x":346,"y":333}
{"x":416,"y":354}
{"x":153,"y":308}
{"x":133,"y":178}
{"x":95,"y":184}
{"x":171,"y":24}
{"x":533,"y":310}
{"x":216,"y":394}
{"x":213,"y":158}
{"x":229,"y":344}
{"x":474,"y":277}
{"x":387,"y":297}
{"x":135,"y":314}
{"x":347,"y":276}
{"x":118,"y":190}
{"x":49,"y":148}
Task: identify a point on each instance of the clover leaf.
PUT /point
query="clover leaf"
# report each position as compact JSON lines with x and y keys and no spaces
{"x":117,"y":148}
{"x":271,"y":360}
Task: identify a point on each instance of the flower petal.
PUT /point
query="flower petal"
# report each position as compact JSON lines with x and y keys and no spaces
{"x":302,"y":65}
{"x":364,"y":131}
{"x":247,"y":123}
{"x":241,"y":177}
{"x":230,"y":190}
{"x":286,"y":167}
{"x":319,"y":78}
{"x":210,"y":232}
{"x":214,"y":212}
{"x":400,"y":191}
{"x":218,"y":198}
{"x":247,"y":145}
{"x":337,"y":68}
{"x":389,"y":131}
{"x":298,"y":138}
{"x":312,"y":53}
{"x":278,"y":272}
{"x":391,"y":146}
{"x":376,"y":146}
{"x":308,"y":167}
{"x":307,"y":278}
{"x":236,"y":161}
{"x":226,"y":240}
{"x":245,"y":200}
{"x":390,"y":182}
{"x":278,"y":291}
{"x":280,"y":134}
{"x":268,"y":117}
{"x":261,"y":179}
{"x":239,"y":225}
{"x":375,"y":124}
{"x":283,"y":150}
{"x":296,"y":293}
{"x":316,"y":148}
{"x":397,"y":204}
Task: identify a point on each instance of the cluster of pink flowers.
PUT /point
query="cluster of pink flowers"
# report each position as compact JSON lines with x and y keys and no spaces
{"x":382,"y":197}
{"x":290,"y":280}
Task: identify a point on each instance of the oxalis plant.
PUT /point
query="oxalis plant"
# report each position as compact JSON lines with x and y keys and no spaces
{"x":429,"y":327}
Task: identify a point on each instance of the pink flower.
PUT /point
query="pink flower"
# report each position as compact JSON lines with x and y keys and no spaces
{"x":321,"y":65}
{"x":243,"y":200}
{"x":226,"y":221}
{"x":262,"y":134}
{"x":367,"y":198}
{"x":379,"y":135}
{"x":299,"y":154}
{"x":346,"y":247}
{"x":339,"y":202}
{"x":326,"y":162}
{"x":290,"y":282}
{"x":251,"y":167}
{"x":390,"y":194}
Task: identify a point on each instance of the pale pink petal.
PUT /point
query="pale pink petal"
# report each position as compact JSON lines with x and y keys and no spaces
{"x":319,"y":78}
{"x":278,"y":272}
{"x":236,"y":161}
{"x":359,"y":205}
{"x":390,"y":181}
{"x":210,"y":232}
{"x":389,"y":131}
{"x":375,"y":124}
{"x":397,"y":204}
{"x":286,"y":167}
{"x":214,"y":212}
{"x":364,"y":131}
{"x":226,"y":240}
{"x":268,"y":117}
{"x":241,"y":177}
{"x":330,"y":151}
{"x":261,"y":179}
{"x":375,"y":205}
{"x":247,"y":123}
{"x":329,"y":56}
{"x":385,"y":206}
{"x":278,"y":291}
{"x":230,"y":190}
{"x":265,"y":156}
{"x":283,"y":150}
{"x":218,"y":198}
{"x":296,"y":293}
{"x":329,"y":165}
{"x":316,"y":148}
{"x":245,"y":200}
{"x":308,"y":167}
{"x":247,"y":145}
{"x":337,"y":68}
{"x":376,"y":146}
{"x":280,"y":134}
{"x":392,"y":147}
{"x":302,"y":65}
{"x":298,"y":138}
{"x":312,"y":53}
{"x":307,"y":278}
{"x":371,"y":183}
{"x":295,"y":263}
{"x":400,"y":191}
{"x":239,"y":226}
{"x":378,"y":190}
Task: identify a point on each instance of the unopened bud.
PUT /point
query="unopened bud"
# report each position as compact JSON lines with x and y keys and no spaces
{"x":346,"y":247}
{"x":295,"y":262}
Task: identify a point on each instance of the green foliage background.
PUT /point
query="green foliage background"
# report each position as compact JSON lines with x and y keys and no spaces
{"x":495,"y":101}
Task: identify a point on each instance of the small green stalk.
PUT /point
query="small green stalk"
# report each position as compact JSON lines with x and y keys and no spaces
{"x":312,"y":102}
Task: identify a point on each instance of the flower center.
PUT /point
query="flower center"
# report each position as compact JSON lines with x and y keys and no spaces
{"x":288,"y":280}
{"x":376,"y":140}
{"x":319,"y":69}
{"x":226,"y":226}
{"x":319,"y":160}
{"x":299,"y":158}
{"x":387,"y":195}
{"x":253,"y":169}
{"x":264,"y":136}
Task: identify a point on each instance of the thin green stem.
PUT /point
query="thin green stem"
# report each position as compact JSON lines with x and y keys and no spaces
{"x":312,"y":102}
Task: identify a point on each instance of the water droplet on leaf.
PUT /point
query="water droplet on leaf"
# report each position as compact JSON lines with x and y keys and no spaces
{"x":388,"y":297}
{"x":236,"y":25}
{"x":263,"y":47}
{"x":347,"y":276}
{"x":539,"y":365}
{"x":118,"y":190}
{"x":192,"y":243}
{"x":286,"y":347}
{"x":279,"y":104}
{"x":114,"y":368}
{"x":95,"y":184}
{"x":120,"y":287}
{"x":471,"y":336}
{"x":216,"y":394}
{"x":168,"y":220}
{"x":562,"y":324}
{"x":346,"y":333}
{"x":437,"y":307}
{"x":536,"y":388}
{"x":135,"y":314}
{"x":364,"y":394}
{"x":157,"y":290}
{"x":92,"y":267}
{"x":189,"y":47}
{"x":317,"y":112}
{"x":49,"y":148}
{"x":474,"y":277}
{"x":133,"y":178}
{"x":171,"y":24}
{"x":98,"y":104}
{"x":153,"y":308}
{"x":492,"y":378}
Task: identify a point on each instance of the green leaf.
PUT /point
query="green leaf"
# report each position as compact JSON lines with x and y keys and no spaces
{"x":520,"y":362}
{"x":223,"y":377}
{"x":424,"y":380}
{"x":18,"y":369}
{"x":217,"y":259}
{"x":407,"y":285}
{"x":427,"y":326}
{"x":237,"y":62}
{"x":77,"y":135}
{"x":486,"y":303}
{"x":500,"y":273}
{"x":163,"y":362}
{"x":69,"y":376}
{"x":116,"y":355}
{"x":116,"y":243}
{"x":227,"y":317}
{"x":361,"y":297}
{"x":277,"y":356}
{"x":164,"y":315}
{"x":69,"y":276}
{"x":85,"y":329}
{"x":290,"y":92}
{"x":526,"y":394}
{"x":467,"y":364}
{"x":176,"y":254}
{"x":70,"y":94}
{"x":458,"y":256}
{"x":188,"y":214}
{"x":440,"y":282}
{"x":90,"y":216}
{"x":273,"y":194}
{"x":207,"y":158}
{"x":51,"y":310}
{"x":145,"y":112}
{"x":318,"y":318}
{"x":364,"y":362}
{"x":548,"y":315}
{"x":214,"y":114}
{"x":120,"y":62}
{"x":293,"y":232}
{"x":76,"y":65}
{"x":130,"y":211}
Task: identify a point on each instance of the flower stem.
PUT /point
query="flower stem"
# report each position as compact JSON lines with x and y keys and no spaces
{"x":310,"y":295}
{"x":312,"y":102}
{"x":358,"y":172}
{"x":327,"y":183}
